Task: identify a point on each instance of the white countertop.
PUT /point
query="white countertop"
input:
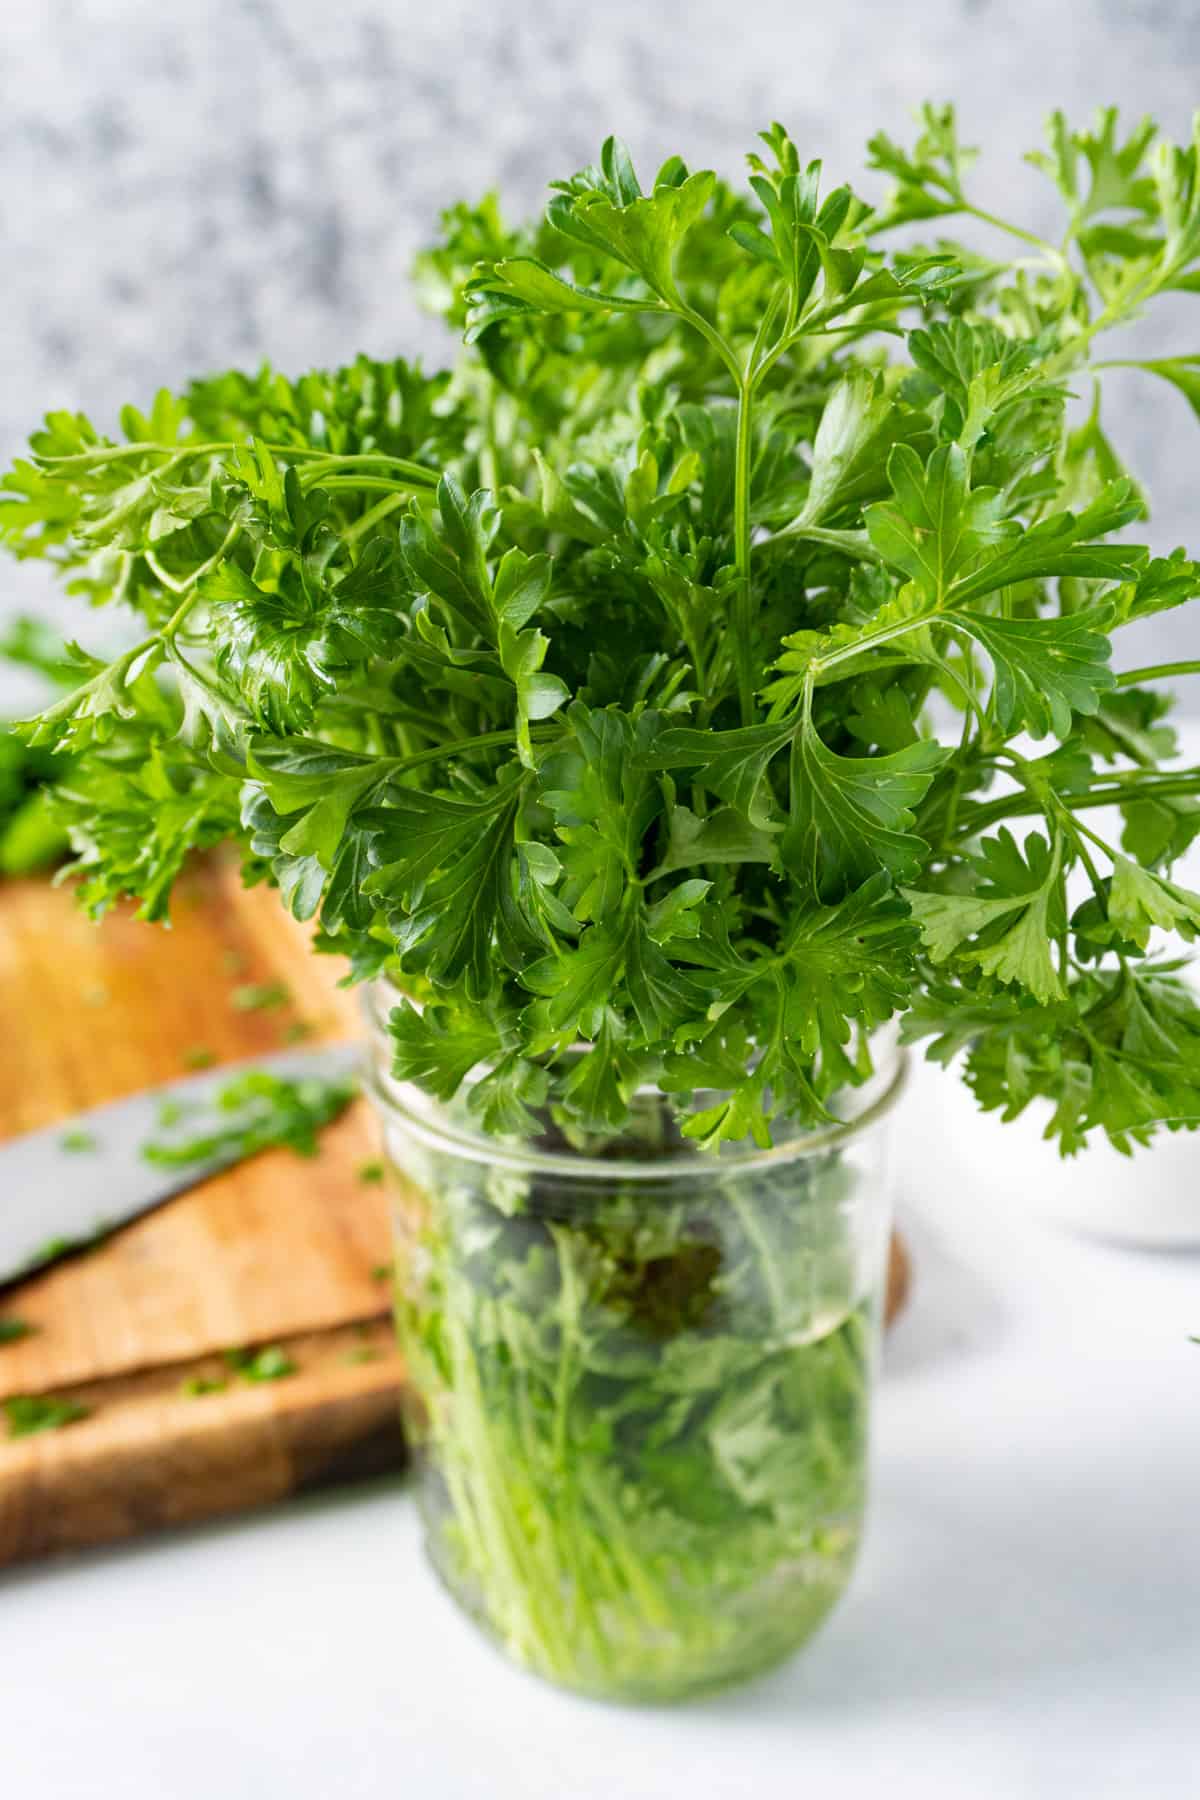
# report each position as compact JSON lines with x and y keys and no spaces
{"x":1025,"y":1621}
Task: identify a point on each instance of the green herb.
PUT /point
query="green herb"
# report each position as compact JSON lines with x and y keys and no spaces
{"x":371,"y":1173}
{"x":32,"y":835}
{"x":362,"y":1353}
{"x":269,"y":1364}
{"x":197,"y":1386}
{"x":199,"y":1056}
{"x":383,"y":1271}
{"x":297,"y":1031}
{"x":30,"y":1413}
{"x":260,"y":996}
{"x":12,"y":1330}
{"x":252,"y":1112}
{"x":77,"y":1141}
{"x":652,"y":1401}
{"x":590,"y":692}
{"x":29,"y":643}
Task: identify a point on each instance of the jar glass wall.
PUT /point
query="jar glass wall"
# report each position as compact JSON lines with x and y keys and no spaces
{"x":640,"y":1380}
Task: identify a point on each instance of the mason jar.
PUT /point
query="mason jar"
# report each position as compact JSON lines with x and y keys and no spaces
{"x":639,"y":1378}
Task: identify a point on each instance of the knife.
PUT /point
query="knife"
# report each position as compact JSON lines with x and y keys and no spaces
{"x":54,"y":1199}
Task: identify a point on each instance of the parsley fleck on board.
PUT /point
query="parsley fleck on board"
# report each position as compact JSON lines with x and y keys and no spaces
{"x":272,"y":1363}
{"x":28,"y":1414}
{"x":253,"y":1111}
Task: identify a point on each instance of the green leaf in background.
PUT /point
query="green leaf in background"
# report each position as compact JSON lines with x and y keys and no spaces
{"x":1141,"y":901}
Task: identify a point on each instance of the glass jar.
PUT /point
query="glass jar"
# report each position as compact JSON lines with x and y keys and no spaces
{"x":640,"y":1380}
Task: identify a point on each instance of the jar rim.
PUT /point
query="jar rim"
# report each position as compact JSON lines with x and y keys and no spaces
{"x":426,"y":1121}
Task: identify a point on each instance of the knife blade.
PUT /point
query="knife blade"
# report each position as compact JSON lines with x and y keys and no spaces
{"x":53,"y":1199}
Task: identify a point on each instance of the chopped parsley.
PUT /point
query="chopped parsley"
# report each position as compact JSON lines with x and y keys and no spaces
{"x":252,"y":1112}
{"x":77,"y":1142}
{"x":269,"y":1364}
{"x":31,"y":1413}
{"x":260,"y":996}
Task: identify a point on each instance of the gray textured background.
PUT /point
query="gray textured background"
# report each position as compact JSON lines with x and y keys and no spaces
{"x":182,"y":189}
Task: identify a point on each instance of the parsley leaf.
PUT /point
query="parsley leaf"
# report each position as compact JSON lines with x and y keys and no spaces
{"x":1046,"y":670}
{"x":851,"y":814}
{"x":28,"y":1414}
{"x":271,"y":1363}
{"x":1017,"y":913}
{"x":1141,"y":901}
{"x":599,"y":693}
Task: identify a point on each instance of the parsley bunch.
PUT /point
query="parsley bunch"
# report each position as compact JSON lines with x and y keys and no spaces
{"x":665,"y":676}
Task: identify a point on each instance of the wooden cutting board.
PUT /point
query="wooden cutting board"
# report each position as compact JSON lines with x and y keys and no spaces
{"x":277,"y":1251}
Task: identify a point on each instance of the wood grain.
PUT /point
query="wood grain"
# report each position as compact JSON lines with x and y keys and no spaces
{"x":277,"y":1250}
{"x":150,"y":1456}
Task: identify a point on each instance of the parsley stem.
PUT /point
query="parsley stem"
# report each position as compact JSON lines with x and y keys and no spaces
{"x":187,"y":584}
{"x":744,"y":602}
{"x":1013,"y":805}
{"x":160,"y":574}
{"x":711,"y":336}
{"x":1081,"y":831}
{"x":120,"y":669}
{"x":971,"y":715}
{"x":88,"y":459}
{"x":485,"y":741}
{"x":189,"y":587}
{"x":352,"y":484}
{"x":416,"y":473}
{"x":1115,"y":313}
{"x":822,"y":665}
{"x":1158,"y":672}
{"x":1049,"y":250}
{"x":855,"y":544}
{"x":373,"y":515}
{"x":743,"y":609}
